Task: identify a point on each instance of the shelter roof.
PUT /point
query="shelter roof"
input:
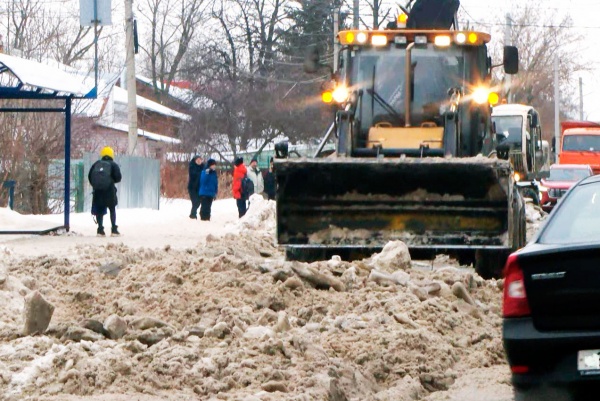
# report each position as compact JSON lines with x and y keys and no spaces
{"x":22,"y":78}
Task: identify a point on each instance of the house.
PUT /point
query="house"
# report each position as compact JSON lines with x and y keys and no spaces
{"x":104,"y":121}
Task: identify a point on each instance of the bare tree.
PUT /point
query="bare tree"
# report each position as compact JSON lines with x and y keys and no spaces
{"x":540,"y":38}
{"x":171,"y":34}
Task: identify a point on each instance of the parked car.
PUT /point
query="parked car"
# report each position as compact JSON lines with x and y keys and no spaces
{"x":562,"y":177}
{"x":551,"y":305}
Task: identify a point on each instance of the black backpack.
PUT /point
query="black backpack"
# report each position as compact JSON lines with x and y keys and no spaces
{"x":101,"y":177}
{"x":247,"y":187}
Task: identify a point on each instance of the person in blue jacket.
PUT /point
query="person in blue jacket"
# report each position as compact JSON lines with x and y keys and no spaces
{"x":209,"y":186}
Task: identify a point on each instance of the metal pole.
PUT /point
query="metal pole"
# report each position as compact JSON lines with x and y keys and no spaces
{"x":324,"y":140}
{"x":356,"y":14}
{"x":556,"y":111}
{"x":96,"y":46}
{"x":508,"y":42}
{"x":407,"y":79}
{"x":130,"y":78}
{"x":8,"y":46}
{"x":67,"y":162}
{"x":336,"y":42}
{"x":581,"y":99}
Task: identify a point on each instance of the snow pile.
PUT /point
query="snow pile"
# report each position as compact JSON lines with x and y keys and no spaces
{"x":13,"y":221}
{"x":260,"y":215}
{"x":394,"y":256}
{"x":535,"y":217}
{"x":12,"y":292}
{"x":232,"y":320}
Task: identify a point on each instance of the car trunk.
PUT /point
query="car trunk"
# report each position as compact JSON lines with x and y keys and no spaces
{"x":563,"y":288}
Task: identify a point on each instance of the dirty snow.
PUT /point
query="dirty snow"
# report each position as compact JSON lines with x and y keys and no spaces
{"x":215,"y":312}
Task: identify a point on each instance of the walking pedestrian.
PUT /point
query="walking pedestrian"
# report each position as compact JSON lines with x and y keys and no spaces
{"x":195,"y":169}
{"x":270,"y":182}
{"x":103,"y":176}
{"x":256,"y":176}
{"x":209,"y":186}
{"x":239,"y":173}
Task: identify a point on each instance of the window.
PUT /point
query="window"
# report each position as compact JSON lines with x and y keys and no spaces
{"x":582,"y":143}
{"x":510,"y":126}
{"x":563,"y":174}
{"x":577,"y":220}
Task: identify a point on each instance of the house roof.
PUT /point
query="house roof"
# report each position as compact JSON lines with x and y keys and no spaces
{"x":120,"y":96}
{"x":146,"y":134}
{"x":31,"y":77}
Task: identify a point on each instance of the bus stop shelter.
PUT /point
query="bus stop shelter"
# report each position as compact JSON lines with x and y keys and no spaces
{"x":22,"y":79}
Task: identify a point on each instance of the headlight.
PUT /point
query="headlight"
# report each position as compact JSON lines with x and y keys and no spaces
{"x":341,"y":94}
{"x":327,"y":97}
{"x":442,"y":41}
{"x":480,"y":95}
{"x":361,"y":37}
{"x":517,"y":177}
{"x":379,"y":40}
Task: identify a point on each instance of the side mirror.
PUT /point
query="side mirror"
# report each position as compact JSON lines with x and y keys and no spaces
{"x":511,"y":60}
{"x":312,"y":60}
{"x":534,"y":120}
{"x":282,"y":150}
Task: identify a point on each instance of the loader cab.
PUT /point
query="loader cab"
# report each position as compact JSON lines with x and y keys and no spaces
{"x":519,"y":132}
{"x":416,"y":93}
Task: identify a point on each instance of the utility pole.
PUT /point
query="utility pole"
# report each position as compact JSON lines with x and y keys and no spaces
{"x":556,"y":111}
{"x":130,"y":79}
{"x":356,"y":13}
{"x":508,"y":42}
{"x":336,"y":42}
{"x":581,"y":99}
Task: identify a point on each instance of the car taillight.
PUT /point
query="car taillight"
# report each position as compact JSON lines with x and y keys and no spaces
{"x":515,"y":298}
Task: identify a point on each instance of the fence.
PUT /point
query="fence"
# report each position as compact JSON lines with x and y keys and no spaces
{"x":140,"y":187}
{"x":56,"y":186}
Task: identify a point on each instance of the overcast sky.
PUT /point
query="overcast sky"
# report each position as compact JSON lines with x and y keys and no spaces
{"x":586,"y":18}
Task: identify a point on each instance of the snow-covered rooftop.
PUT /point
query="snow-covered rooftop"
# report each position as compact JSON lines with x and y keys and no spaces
{"x":150,"y":135}
{"x":37,"y":76}
{"x":120,"y":96}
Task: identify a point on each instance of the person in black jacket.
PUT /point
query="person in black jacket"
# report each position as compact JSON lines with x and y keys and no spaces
{"x":195,"y":169}
{"x":103,"y":176}
{"x":270,"y":182}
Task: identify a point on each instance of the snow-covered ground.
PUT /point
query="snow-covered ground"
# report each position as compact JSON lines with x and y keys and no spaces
{"x":212,"y":311}
{"x":168,"y":226}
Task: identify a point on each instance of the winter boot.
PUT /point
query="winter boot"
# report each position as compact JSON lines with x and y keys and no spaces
{"x":100,"y":232}
{"x":114,"y":232}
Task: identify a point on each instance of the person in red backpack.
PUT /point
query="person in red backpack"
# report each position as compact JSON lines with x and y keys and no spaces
{"x":103,"y":176}
{"x":239,"y":173}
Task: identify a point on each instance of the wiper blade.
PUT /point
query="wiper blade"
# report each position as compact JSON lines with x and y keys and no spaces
{"x":383,"y":103}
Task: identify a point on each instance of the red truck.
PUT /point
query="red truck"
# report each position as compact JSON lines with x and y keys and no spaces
{"x":580,"y":144}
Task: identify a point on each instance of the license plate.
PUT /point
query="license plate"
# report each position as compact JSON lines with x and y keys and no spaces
{"x":588,"y":362}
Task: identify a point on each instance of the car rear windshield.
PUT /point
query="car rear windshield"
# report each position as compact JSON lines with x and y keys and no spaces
{"x":563,"y":174}
{"x":582,"y":143}
{"x":577,"y":220}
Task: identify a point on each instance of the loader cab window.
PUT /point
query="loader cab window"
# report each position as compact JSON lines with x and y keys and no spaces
{"x":380,"y":74}
{"x":511,"y":127}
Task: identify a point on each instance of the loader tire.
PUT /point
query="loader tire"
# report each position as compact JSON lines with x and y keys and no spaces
{"x":489,"y":264}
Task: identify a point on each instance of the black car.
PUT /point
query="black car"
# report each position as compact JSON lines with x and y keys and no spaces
{"x":551,"y":307}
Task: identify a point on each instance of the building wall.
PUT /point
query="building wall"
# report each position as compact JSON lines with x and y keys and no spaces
{"x":90,"y":137}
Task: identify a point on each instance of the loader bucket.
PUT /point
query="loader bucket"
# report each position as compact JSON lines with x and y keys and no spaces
{"x":354,"y":206}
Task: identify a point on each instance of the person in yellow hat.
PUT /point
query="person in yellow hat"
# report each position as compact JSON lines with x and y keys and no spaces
{"x":103,"y":176}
